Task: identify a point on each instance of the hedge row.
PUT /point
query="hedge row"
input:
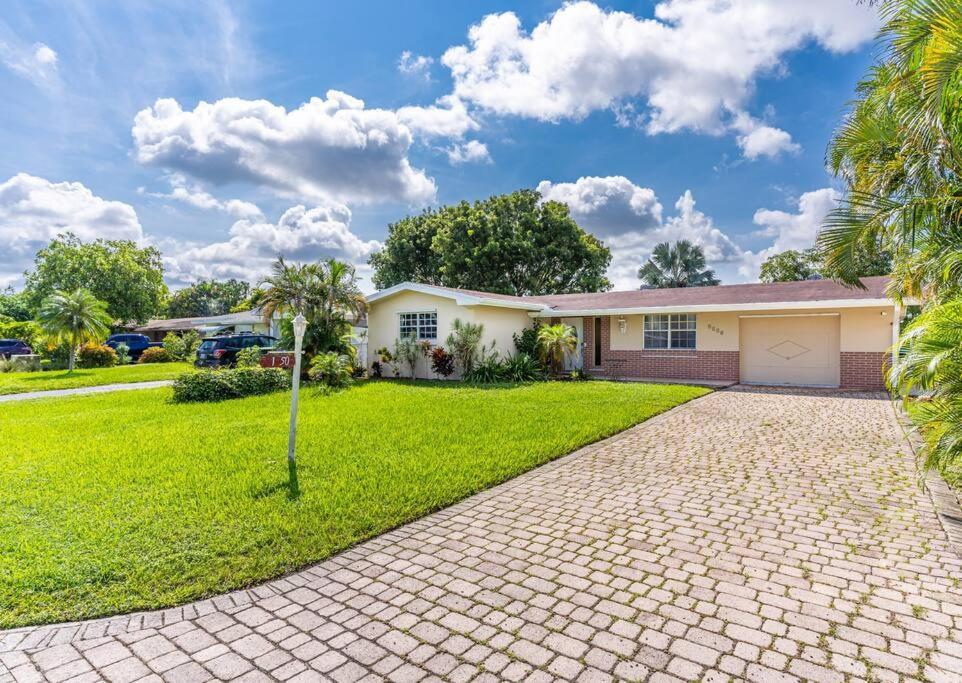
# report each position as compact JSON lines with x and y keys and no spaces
{"x":220,"y":385}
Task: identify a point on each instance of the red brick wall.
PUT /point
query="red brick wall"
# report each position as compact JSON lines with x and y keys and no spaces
{"x":863,"y":369}
{"x":664,"y":364}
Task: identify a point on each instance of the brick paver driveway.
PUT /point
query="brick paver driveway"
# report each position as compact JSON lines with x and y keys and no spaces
{"x":757,"y":535}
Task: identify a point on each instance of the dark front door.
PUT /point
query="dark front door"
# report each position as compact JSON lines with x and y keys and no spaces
{"x":596,"y":339}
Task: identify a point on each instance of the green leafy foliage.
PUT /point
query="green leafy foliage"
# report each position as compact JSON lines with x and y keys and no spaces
{"x":488,"y":370}
{"x":127,"y":278}
{"x":208,"y":297}
{"x":94,"y":355}
{"x":522,"y":367}
{"x":155,"y":354}
{"x":220,"y":385}
{"x":332,"y":370}
{"x":15,"y":306}
{"x":510,"y":244}
{"x":249,"y":357}
{"x":527,"y":341}
{"x":681,"y":264}
{"x":407,"y":353}
{"x":792,"y":265}
{"x":182,"y":347}
{"x":123,"y":354}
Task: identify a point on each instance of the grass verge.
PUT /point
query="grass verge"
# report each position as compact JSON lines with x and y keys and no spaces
{"x":111,"y":505}
{"x":20,"y":382}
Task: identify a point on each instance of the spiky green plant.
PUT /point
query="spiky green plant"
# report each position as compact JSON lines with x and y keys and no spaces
{"x":555,"y":343}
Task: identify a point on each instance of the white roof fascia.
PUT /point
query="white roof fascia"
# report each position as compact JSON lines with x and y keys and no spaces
{"x":716,"y":308}
{"x":461,"y":298}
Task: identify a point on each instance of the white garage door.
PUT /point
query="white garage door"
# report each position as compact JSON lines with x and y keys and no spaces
{"x":799,"y":350}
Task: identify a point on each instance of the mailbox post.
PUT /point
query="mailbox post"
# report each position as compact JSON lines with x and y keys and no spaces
{"x":300,"y":325}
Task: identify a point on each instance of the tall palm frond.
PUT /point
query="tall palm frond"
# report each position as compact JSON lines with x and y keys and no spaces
{"x":74,"y":318}
{"x":681,"y":264}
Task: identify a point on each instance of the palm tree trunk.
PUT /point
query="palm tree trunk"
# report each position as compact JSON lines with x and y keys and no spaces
{"x":73,"y":352}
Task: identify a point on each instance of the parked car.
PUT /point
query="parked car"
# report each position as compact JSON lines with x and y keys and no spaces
{"x":221,"y":351}
{"x":14,"y":347}
{"x":136,"y":343}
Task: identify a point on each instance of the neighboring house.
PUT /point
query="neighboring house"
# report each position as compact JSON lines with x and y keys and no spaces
{"x":246,"y":321}
{"x":809,"y":333}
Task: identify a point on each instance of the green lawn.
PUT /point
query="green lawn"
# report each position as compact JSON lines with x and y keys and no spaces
{"x":19,"y":382}
{"x":113,"y":503}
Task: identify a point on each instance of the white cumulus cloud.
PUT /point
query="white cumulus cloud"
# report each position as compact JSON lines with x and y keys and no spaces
{"x":695,"y":64}
{"x":182,"y":190}
{"x":417,"y":66}
{"x":757,"y":139}
{"x":301,"y":234}
{"x":35,"y":210}
{"x":791,"y":230}
{"x":471,"y":152}
{"x":629,"y":220}
{"x":326,"y":150}
{"x":446,"y":118}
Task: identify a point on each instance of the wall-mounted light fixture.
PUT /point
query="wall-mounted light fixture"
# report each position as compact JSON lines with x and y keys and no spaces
{"x":622,"y":325}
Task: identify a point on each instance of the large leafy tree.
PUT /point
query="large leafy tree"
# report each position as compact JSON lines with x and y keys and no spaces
{"x":510,"y":244}
{"x":74,"y":318}
{"x":14,"y":305}
{"x":803,"y":265}
{"x":127,"y":278}
{"x":899,"y":153}
{"x":681,"y":264}
{"x":207,"y":297}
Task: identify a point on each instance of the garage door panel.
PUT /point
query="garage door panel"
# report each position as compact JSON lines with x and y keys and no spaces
{"x":801,"y":350}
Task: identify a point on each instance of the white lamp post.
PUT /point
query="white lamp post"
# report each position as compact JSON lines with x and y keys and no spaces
{"x":300,"y":325}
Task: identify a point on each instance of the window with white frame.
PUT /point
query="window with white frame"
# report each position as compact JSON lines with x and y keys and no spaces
{"x":669,"y":331}
{"x":419,"y":325}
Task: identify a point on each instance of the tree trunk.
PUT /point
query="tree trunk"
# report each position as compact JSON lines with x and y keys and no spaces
{"x":73,"y":352}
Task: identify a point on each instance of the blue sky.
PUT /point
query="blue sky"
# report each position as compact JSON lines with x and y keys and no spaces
{"x":191,"y":125}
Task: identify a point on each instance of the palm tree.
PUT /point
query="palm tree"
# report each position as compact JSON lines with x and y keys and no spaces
{"x":74,"y":318}
{"x":555,"y":343}
{"x":325,"y":293}
{"x":899,"y":153}
{"x":465,"y":344}
{"x":681,"y":265}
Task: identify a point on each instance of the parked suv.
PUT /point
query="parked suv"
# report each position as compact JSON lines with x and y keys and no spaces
{"x":219,"y":352}
{"x":13,"y":347}
{"x":136,"y":343}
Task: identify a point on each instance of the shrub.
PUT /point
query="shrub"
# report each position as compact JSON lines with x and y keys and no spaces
{"x":407,"y":351}
{"x":155,"y":354}
{"x":465,"y":344}
{"x":28,"y":332}
{"x":442,"y":362}
{"x":522,"y":368}
{"x":92,"y":355}
{"x":387,"y":358}
{"x":527,"y":342}
{"x":376,"y":370}
{"x":182,"y":347}
{"x":5,"y":365}
{"x":221,"y":385}
{"x":249,"y":357}
{"x":488,"y":370}
{"x":331,"y":369}
{"x":123,"y":354}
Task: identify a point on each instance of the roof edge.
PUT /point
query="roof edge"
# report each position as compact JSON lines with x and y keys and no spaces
{"x":460,"y":297}
{"x":717,"y":308}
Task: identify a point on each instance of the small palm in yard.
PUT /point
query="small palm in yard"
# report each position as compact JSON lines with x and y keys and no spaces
{"x":555,"y":342}
{"x":678,"y":265}
{"x":74,"y":318}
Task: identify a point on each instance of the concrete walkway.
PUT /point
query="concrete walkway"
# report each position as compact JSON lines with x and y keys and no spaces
{"x":54,"y":393}
{"x":761,"y":535}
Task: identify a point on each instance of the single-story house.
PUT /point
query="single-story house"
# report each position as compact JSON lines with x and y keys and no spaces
{"x":245,"y":321}
{"x":810,"y":333}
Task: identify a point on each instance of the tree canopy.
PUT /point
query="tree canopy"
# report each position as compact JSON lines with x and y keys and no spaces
{"x":681,"y":264}
{"x":127,"y":278}
{"x":207,"y":297}
{"x":811,"y":263}
{"x":509,"y":244}
{"x":15,"y":305}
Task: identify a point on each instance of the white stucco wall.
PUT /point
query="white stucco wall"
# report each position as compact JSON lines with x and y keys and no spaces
{"x":384,"y":322}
